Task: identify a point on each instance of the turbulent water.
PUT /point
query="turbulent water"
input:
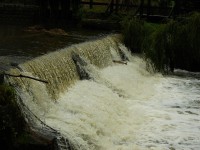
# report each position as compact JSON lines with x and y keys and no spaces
{"x":120,"y":107}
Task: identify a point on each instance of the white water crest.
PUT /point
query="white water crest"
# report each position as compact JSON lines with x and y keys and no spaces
{"x":121,"y":107}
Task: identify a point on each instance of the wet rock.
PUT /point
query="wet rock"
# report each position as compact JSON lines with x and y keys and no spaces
{"x":123,"y":55}
{"x":80,"y":66}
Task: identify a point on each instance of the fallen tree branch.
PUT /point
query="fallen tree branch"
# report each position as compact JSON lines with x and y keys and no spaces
{"x":120,"y":62}
{"x":24,"y":76}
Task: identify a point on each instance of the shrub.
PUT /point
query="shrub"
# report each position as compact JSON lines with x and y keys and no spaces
{"x":187,"y":43}
{"x":11,"y":120}
{"x":158,"y":47}
{"x":133,"y":31}
{"x":175,"y":44}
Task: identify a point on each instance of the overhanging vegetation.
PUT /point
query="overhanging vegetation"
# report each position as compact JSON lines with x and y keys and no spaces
{"x":175,"y":44}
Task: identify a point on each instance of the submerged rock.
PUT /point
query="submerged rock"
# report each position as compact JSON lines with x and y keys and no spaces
{"x":40,"y":29}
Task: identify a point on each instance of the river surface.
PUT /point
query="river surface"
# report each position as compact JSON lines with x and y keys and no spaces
{"x":18,"y":44}
{"x":124,"y":107}
{"x":151,"y":112}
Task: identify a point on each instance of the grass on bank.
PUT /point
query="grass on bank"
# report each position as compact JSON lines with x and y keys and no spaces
{"x":14,"y":131}
{"x":175,"y":44}
{"x":12,"y":123}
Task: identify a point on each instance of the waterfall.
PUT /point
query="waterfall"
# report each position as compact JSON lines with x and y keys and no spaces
{"x":101,"y":97}
{"x":61,"y":70}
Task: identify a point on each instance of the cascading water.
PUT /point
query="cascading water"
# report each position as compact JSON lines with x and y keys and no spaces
{"x":121,"y":106}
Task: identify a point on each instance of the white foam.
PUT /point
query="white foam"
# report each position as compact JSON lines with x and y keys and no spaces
{"x":123,"y":107}
{"x":154,"y":115}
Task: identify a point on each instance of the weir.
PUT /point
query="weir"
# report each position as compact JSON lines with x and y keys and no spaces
{"x":98,"y":96}
{"x":60,"y":70}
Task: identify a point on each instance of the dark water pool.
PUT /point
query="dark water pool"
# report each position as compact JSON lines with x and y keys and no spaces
{"x":18,"y":45}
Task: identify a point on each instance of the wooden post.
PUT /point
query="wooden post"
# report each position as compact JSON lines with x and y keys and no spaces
{"x":91,"y":4}
{"x":54,"y":9}
{"x":1,"y":78}
{"x":43,"y":9}
{"x":111,"y":6}
{"x":117,"y":6}
{"x":68,"y":3}
{"x":141,"y":7}
{"x":177,"y":8}
{"x":64,"y":8}
{"x":76,"y":5}
{"x":149,"y":8}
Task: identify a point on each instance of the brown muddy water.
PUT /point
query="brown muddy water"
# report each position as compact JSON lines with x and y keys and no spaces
{"x":22,"y":43}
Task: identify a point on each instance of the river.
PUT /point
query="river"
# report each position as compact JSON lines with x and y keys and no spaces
{"x":17,"y":44}
{"x":121,"y":107}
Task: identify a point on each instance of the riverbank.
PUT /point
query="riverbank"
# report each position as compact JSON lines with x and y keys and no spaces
{"x":172,"y":44}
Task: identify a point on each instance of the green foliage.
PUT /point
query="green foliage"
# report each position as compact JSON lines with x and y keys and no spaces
{"x":7,"y":95}
{"x":133,"y":32}
{"x":11,"y":119}
{"x":159,"y":47}
{"x":188,"y":43}
{"x":175,"y":44}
